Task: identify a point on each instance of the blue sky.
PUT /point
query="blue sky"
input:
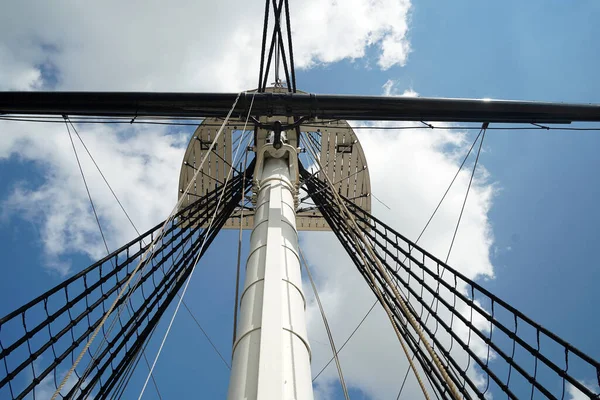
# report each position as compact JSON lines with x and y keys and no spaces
{"x":544,"y":215}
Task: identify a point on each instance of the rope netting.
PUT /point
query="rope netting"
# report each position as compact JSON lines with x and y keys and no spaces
{"x":487,"y":347}
{"x":40,"y":341}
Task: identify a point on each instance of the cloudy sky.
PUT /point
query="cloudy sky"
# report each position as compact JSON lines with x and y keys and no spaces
{"x":530,"y":224}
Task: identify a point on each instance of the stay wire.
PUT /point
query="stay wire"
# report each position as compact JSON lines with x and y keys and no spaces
{"x":207,"y":337}
{"x":466,"y":194}
{"x":263,"y":47}
{"x":326,"y":323}
{"x":449,"y":186}
{"x":103,"y":177}
{"x":127,"y":120}
{"x":345,"y":342}
{"x":239,"y":260}
{"x":87,"y":189}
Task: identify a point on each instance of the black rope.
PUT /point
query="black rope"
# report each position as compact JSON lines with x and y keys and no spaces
{"x":103,"y":177}
{"x":345,"y":238}
{"x":280,"y":45}
{"x":290,"y":45}
{"x":459,"y":218}
{"x":137,"y":231}
{"x":116,"y":120}
{"x":424,"y":272}
{"x":274,"y":42}
{"x":277,"y":46}
{"x":284,"y":59}
{"x":311,"y":176}
{"x":263,"y":47}
{"x":73,"y":309}
{"x":343,"y":231}
{"x":155,"y":384}
{"x":462,"y":209}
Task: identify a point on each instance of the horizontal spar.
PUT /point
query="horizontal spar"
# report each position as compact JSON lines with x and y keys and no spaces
{"x":348,"y":107}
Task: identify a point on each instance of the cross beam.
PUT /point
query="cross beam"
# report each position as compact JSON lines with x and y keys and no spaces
{"x":347,"y":107}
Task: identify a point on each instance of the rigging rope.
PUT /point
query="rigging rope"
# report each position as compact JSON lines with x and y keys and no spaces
{"x":152,"y":246}
{"x":482,"y":130}
{"x":326,"y":323}
{"x":263,"y":48}
{"x":417,"y":241}
{"x":138,"y":233}
{"x":96,"y":215}
{"x":360,"y":237}
{"x":207,"y":337}
{"x":142,"y":262}
{"x":99,"y":228}
{"x":290,"y":45}
{"x":195,"y":263}
{"x":506,"y":322}
{"x":340,"y":227}
{"x":208,"y":229}
{"x":66,"y":306}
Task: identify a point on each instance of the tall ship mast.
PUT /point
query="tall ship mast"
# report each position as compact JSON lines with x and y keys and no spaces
{"x":275,"y":161}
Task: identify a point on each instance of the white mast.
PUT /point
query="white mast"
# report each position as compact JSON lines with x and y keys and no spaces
{"x":271,"y":354}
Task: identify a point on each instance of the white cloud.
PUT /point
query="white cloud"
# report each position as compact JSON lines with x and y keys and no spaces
{"x":185,"y":46}
{"x":141,"y":164}
{"x":46,"y":389}
{"x":390,"y":88}
{"x":333,"y":30}
{"x":576,"y":394}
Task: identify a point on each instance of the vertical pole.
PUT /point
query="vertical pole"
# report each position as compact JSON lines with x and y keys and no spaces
{"x":271,"y":354}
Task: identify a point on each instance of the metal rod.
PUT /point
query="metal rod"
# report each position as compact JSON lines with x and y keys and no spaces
{"x":294,"y":104}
